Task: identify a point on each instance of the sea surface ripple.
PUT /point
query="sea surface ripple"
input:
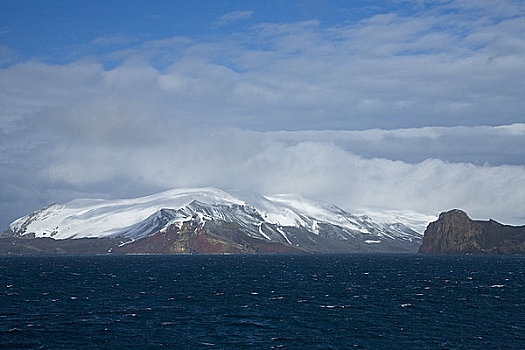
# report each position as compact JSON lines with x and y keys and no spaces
{"x":263,"y":302}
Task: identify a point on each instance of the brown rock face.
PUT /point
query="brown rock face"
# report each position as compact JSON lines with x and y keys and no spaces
{"x":224,"y":238}
{"x":455,"y":233}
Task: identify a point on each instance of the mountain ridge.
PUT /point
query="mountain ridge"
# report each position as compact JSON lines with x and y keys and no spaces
{"x":253,"y":220}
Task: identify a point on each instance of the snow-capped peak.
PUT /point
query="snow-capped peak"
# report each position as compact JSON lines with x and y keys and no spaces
{"x":262,"y":216}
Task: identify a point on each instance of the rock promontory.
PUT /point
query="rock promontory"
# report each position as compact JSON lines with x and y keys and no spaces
{"x":455,"y":233}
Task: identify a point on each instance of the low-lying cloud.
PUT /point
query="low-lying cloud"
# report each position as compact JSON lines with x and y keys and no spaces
{"x":102,"y":162}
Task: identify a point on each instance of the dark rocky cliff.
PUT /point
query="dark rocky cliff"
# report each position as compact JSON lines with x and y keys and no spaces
{"x":455,"y":233}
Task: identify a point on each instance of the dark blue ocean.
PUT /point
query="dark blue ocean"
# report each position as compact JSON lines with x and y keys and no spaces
{"x":263,"y":302}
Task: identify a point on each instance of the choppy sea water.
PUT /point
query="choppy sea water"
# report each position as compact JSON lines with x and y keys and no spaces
{"x":263,"y":302}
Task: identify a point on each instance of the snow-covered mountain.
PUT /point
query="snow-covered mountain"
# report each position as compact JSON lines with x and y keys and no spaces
{"x":289,"y":220}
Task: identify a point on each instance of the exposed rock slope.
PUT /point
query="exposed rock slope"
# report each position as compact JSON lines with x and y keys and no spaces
{"x":455,"y":233}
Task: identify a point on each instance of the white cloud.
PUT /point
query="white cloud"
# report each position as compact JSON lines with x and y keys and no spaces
{"x":389,"y":71}
{"x":234,"y":17}
{"x":479,"y":145}
{"x":315,"y":164}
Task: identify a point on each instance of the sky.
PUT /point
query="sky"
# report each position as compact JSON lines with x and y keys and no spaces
{"x":403,"y":104}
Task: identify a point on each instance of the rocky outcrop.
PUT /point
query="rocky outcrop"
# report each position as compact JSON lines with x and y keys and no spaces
{"x":455,"y":233}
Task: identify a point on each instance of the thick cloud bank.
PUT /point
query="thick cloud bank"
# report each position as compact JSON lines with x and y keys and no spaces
{"x":134,"y":159}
